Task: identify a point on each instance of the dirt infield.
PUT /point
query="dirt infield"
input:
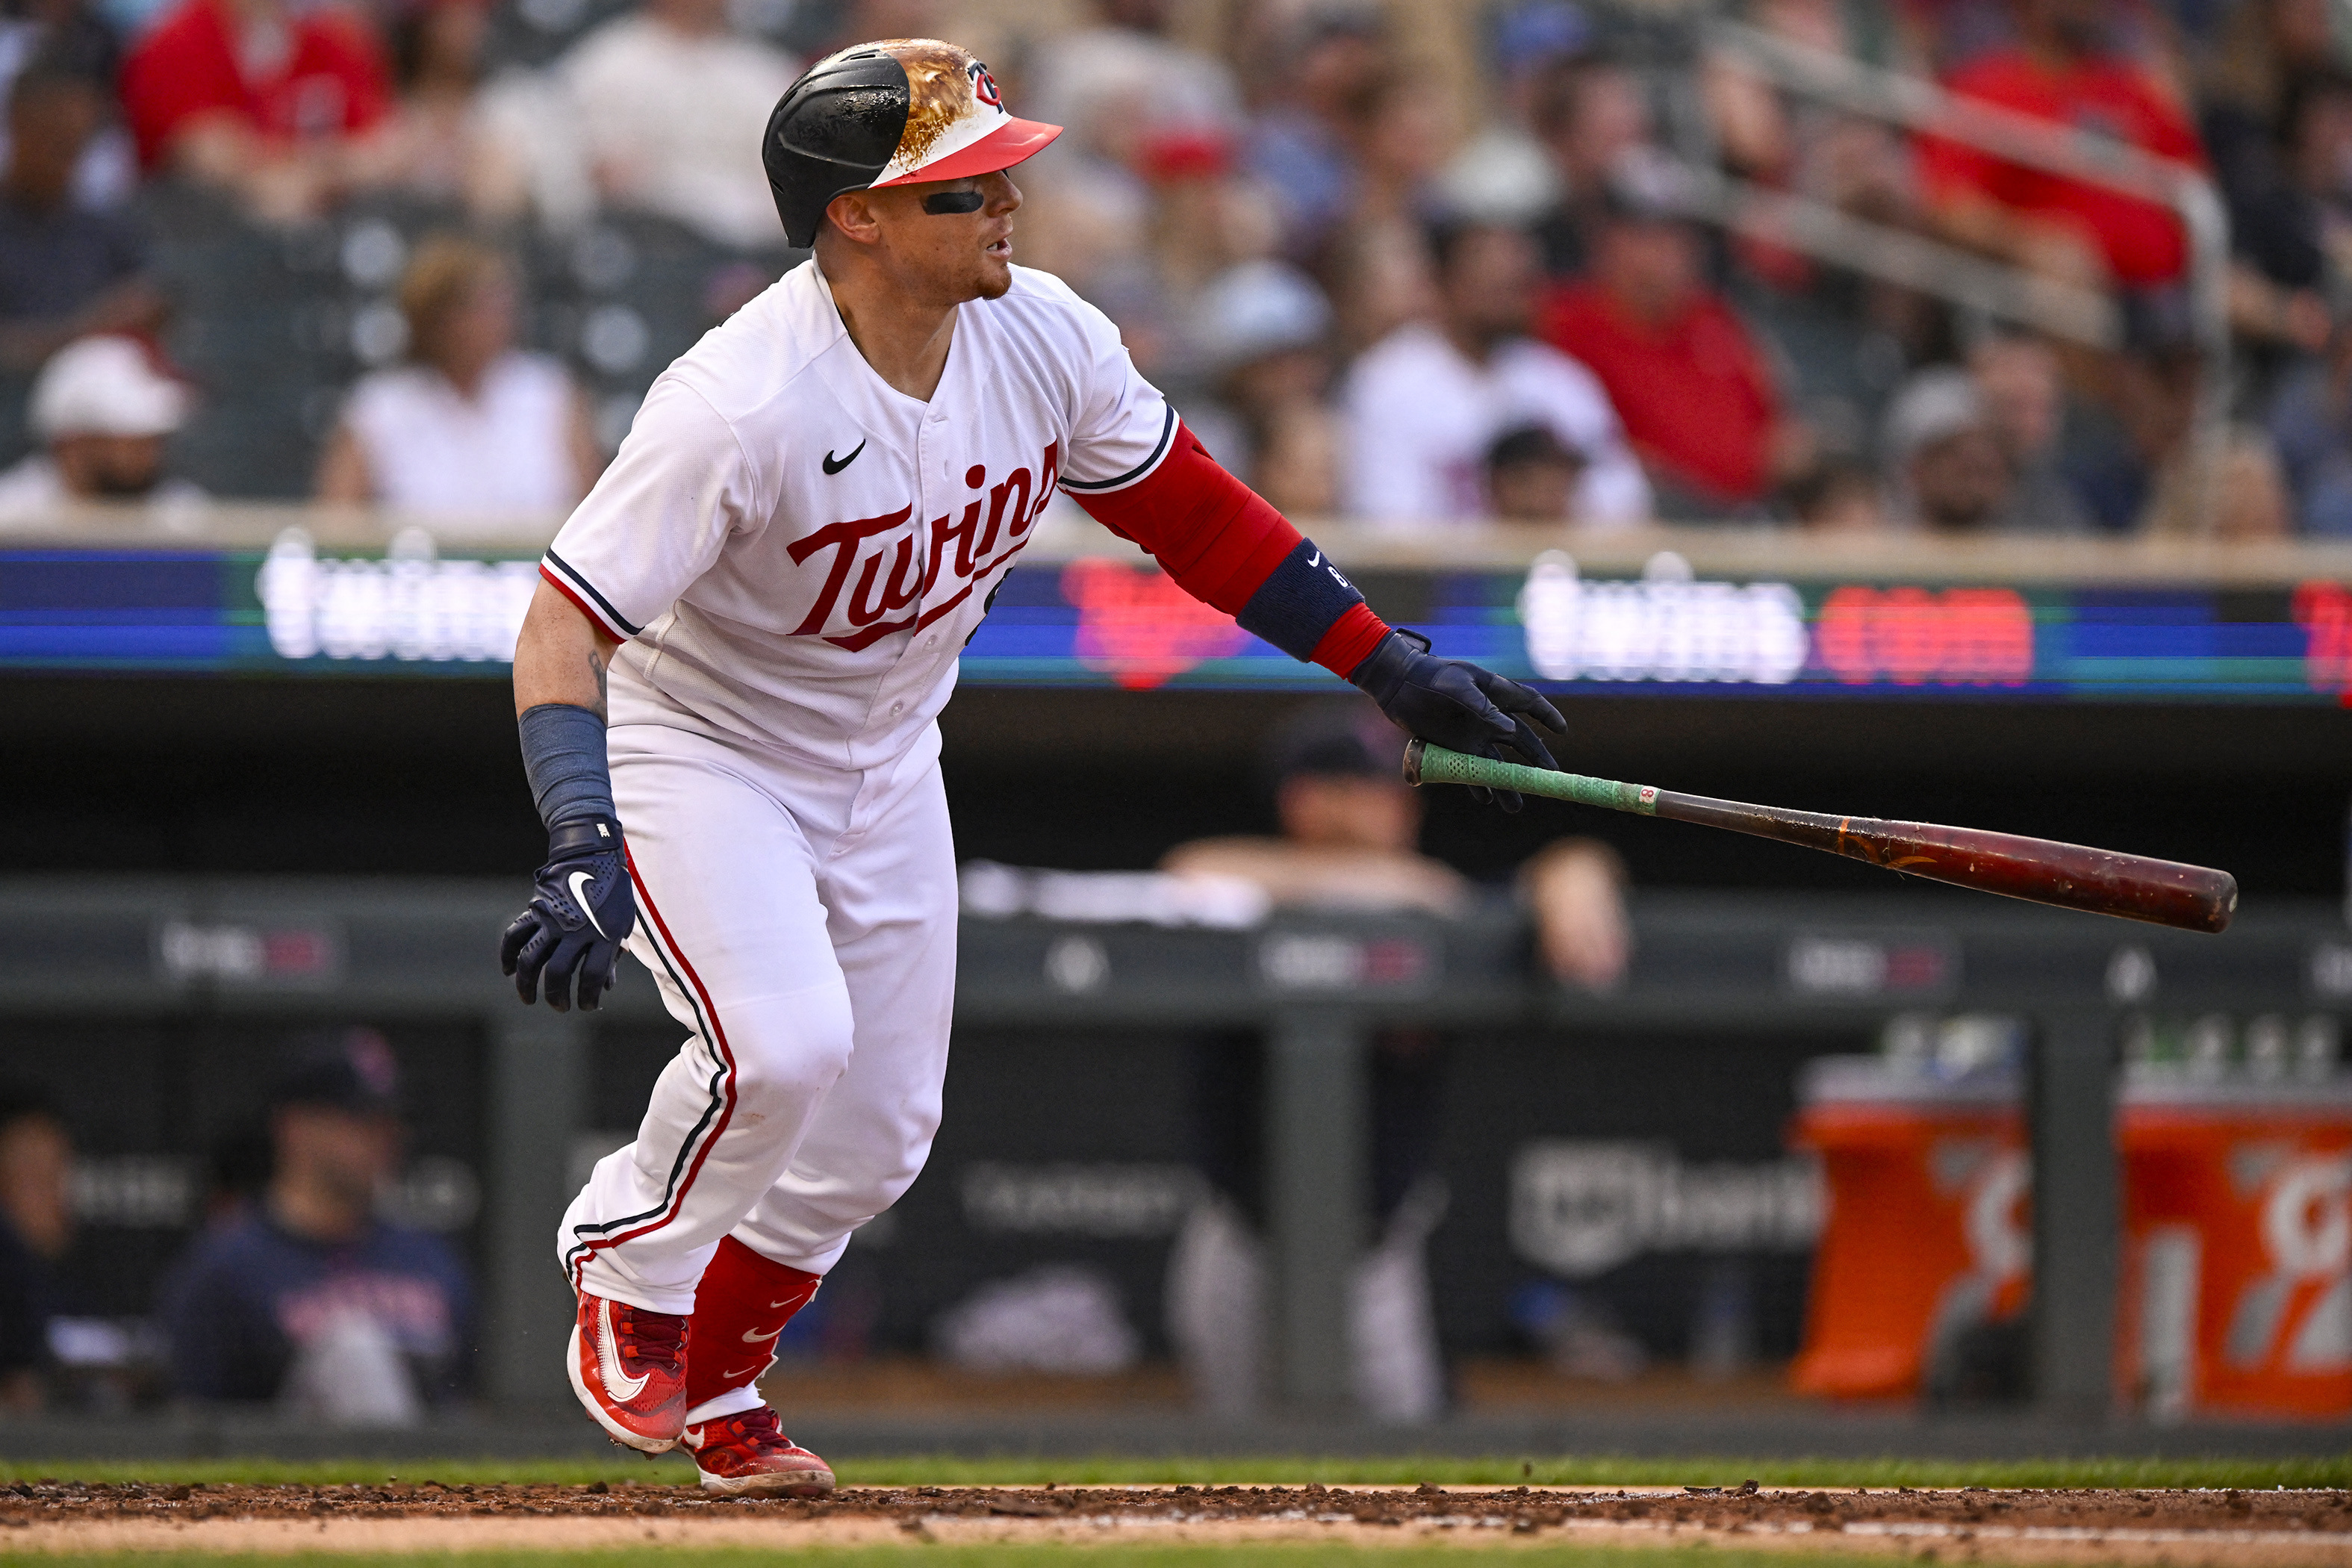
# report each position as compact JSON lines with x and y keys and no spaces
{"x":2288,"y":1529}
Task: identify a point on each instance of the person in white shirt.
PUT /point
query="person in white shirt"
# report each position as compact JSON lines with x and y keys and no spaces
{"x":1424,"y":405}
{"x":670,"y":105}
{"x":104,"y":412}
{"x":471,"y":426}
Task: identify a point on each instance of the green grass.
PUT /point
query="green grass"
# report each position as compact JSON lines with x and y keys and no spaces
{"x":1270,"y":1470}
{"x":1270,"y":1553}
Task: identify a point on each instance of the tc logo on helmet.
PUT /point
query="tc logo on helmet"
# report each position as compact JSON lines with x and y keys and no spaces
{"x":983,"y":86}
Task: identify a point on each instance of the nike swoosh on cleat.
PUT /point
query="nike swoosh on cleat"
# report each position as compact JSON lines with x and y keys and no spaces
{"x":580,"y":899}
{"x":831,"y":467}
{"x":618,"y":1386}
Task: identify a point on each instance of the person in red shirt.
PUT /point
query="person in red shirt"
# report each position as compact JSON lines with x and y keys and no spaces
{"x":255,"y":97}
{"x":1698,"y":400}
{"x":2060,"y":70}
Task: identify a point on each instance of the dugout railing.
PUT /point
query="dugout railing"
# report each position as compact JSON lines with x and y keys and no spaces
{"x":271,"y":952}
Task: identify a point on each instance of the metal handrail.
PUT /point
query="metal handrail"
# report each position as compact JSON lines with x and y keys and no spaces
{"x":1925,"y":107}
{"x":2063,"y":309}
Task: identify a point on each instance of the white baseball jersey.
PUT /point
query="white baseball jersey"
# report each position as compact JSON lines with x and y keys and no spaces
{"x":794,"y":551}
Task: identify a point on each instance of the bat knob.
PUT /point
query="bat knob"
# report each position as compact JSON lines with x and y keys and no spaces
{"x":1412,"y":761}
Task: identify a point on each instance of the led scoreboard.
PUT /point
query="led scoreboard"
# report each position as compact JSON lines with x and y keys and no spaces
{"x":296,"y":610}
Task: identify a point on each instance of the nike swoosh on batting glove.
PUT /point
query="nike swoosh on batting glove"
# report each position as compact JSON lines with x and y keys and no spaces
{"x":582,"y":911}
{"x":1457,"y":705}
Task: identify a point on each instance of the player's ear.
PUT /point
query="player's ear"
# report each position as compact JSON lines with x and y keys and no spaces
{"x":852,"y":213}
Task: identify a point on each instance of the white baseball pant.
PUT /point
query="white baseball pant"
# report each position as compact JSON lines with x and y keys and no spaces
{"x":800,"y":922}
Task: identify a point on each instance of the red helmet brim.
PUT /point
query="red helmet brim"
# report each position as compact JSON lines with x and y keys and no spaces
{"x":1002,"y":148}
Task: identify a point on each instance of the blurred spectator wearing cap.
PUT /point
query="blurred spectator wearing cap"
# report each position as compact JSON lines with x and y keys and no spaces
{"x":471,"y":425}
{"x":1422,"y":405}
{"x":1531,"y":475}
{"x":671,"y":102}
{"x":1505,"y":174}
{"x":104,"y":411}
{"x":1262,"y":331}
{"x":309,"y":1298}
{"x":1945,"y":471}
{"x":65,"y":270}
{"x":270,"y":101}
{"x":1973,"y":449}
{"x":36,"y":1228}
{"x":1349,"y":828}
{"x":1699,"y":401}
{"x":2062,"y":70}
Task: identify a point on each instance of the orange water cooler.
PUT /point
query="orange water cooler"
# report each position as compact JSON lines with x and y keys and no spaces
{"x":2238,"y":1245}
{"x":1928,"y":1235}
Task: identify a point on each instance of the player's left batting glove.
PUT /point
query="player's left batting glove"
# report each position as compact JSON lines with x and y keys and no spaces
{"x":581,"y":913}
{"x":1457,"y":705}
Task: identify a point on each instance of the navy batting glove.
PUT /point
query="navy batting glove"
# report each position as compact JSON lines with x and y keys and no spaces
{"x":1457,"y":705}
{"x":581,"y":913}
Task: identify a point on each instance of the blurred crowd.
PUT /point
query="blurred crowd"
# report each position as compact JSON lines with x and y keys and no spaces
{"x":1410,"y":264}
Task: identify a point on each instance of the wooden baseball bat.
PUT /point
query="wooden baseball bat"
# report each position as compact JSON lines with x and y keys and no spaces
{"x":2039,"y":870}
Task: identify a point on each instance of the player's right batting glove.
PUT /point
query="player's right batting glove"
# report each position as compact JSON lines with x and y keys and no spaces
{"x":1457,"y":705}
{"x":581,"y":913}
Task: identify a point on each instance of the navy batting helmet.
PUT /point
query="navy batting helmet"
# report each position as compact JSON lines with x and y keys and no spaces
{"x":890,"y":113}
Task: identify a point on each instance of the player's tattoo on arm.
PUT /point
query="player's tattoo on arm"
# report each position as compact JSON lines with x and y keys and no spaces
{"x":597,"y":669}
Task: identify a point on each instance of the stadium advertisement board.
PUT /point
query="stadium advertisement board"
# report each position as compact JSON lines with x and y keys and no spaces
{"x":1099,"y":621}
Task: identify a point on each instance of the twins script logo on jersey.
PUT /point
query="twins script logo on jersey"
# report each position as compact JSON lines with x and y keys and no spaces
{"x":874,"y":586}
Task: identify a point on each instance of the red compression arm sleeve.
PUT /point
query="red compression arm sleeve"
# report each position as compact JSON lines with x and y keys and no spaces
{"x":1221,"y":541}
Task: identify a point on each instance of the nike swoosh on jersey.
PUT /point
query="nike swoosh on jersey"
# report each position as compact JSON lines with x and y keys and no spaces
{"x":831,"y":467}
{"x":573,"y":882}
{"x":617,"y":1384}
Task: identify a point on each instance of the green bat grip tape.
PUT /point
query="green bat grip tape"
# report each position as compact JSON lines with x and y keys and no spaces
{"x":1426,"y":764}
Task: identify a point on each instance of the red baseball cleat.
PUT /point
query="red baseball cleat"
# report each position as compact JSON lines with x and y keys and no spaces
{"x":747,"y":1453}
{"x":628,"y":1367}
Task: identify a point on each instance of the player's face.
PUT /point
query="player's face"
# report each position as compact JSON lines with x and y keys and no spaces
{"x":951,"y":257}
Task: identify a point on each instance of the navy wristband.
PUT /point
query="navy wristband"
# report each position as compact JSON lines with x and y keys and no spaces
{"x":563,"y":757}
{"x":1301,"y":599}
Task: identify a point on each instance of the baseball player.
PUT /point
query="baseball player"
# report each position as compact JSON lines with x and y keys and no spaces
{"x":740,"y":647}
